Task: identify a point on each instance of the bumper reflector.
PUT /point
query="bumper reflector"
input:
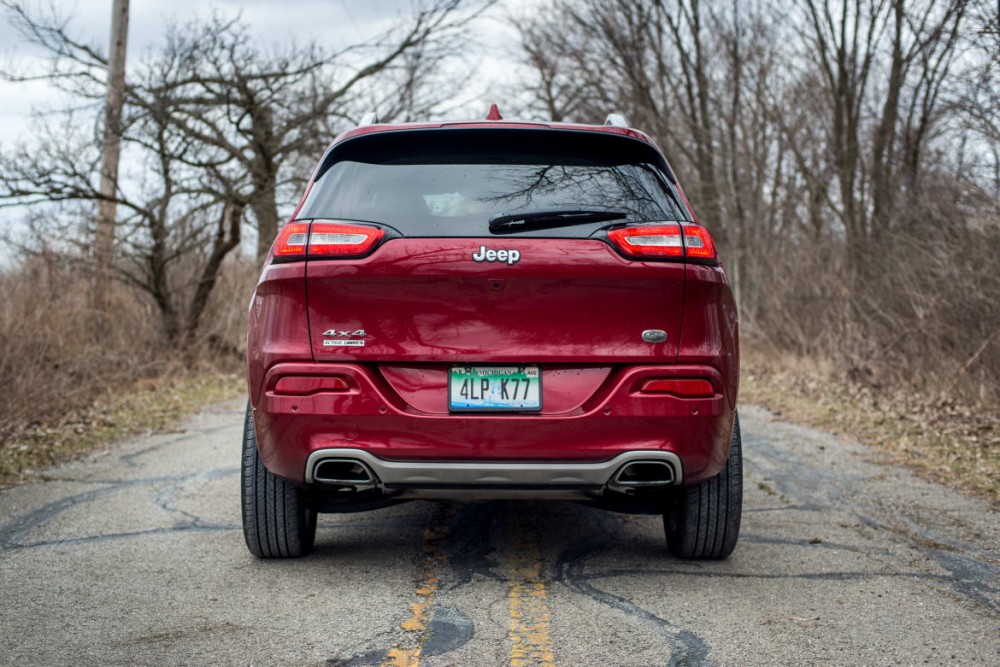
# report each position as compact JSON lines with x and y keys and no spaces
{"x":684,"y":388}
{"x":292,"y":385}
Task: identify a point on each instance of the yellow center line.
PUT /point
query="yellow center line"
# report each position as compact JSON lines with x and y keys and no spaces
{"x":417,"y":626}
{"x":531,"y":645}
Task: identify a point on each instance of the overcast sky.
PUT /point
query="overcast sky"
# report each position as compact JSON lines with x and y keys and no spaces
{"x":337,"y":22}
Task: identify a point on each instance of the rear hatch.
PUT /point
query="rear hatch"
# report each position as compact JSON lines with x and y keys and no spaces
{"x":542,"y":284}
{"x":427,"y":300}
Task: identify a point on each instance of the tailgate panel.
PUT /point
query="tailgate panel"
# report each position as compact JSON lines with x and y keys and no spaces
{"x":564,"y":300}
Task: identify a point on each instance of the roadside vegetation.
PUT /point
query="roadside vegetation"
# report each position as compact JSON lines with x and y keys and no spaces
{"x":68,"y":390}
{"x":943,"y":437}
{"x":845,"y":154}
{"x":143,"y":407}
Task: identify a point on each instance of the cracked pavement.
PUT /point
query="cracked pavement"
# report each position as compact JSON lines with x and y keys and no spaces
{"x":135,"y":556}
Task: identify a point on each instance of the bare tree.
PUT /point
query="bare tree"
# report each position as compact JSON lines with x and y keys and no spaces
{"x":177,"y":224}
{"x":261,"y":109}
{"x":846,"y":40}
{"x":555,"y":92}
{"x":216,"y":127}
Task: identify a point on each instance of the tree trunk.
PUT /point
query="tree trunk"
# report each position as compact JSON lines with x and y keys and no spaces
{"x":111,"y":151}
{"x":883,"y":185}
{"x":264,"y":204}
{"x":229,"y":221}
{"x":263,"y":198}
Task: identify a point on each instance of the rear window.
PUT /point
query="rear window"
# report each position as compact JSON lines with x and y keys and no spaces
{"x":451,"y":182}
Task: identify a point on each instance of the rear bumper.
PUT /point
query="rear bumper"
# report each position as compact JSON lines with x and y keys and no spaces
{"x":499,"y":474}
{"x":493,"y":479}
{"x":581,"y":447}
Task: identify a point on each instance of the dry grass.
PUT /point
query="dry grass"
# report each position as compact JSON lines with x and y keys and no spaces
{"x":69,"y":387}
{"x":904,"y":355}
{"x":148,"y":406}
{"x":944,"y":439}
{"x":925,"y":317}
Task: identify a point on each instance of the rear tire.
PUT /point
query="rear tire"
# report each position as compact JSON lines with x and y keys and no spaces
{"x":703,"y":521}
{"x":277,"y":520}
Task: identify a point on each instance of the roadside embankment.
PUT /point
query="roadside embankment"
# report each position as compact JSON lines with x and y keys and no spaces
{"x":944,"y":438}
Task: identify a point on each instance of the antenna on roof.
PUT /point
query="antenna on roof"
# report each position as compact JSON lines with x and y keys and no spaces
{"x":616,"y":120}
{"x":494,"y":113}
{"x":369,"y":119}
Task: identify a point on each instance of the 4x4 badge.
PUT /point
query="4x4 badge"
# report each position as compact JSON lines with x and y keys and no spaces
{"x":344,"y":338}
{"x":359,"y":333}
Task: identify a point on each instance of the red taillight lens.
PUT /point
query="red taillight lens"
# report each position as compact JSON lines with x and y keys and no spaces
{"x":684,"y":387}
{"x":698,"y":243}
{"x":335,"y":239}
{"x":649,"y":240}
{"x":664,"y":241}
{"x":325,"y":239}
{"x":292,"y":239}
{"x":303,"y":385}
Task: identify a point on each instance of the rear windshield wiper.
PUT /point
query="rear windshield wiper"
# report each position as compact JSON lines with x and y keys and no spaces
{"x":509,"y":223}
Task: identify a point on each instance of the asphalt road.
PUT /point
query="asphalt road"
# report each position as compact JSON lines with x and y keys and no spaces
{"x":135,"y":556}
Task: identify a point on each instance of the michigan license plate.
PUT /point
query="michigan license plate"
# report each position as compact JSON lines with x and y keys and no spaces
{"x":474,"y":388}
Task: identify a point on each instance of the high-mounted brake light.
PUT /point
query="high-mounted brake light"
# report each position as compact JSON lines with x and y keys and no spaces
{"x":685,"y":388}
{"x":292,"y":240}
{"x":649,"y":240}
{"x":335,"y":239}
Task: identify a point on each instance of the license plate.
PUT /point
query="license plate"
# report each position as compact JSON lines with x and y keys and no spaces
{"x":476,"y":388}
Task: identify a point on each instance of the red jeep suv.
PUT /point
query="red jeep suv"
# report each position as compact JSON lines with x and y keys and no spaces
{"x":490,"y":310}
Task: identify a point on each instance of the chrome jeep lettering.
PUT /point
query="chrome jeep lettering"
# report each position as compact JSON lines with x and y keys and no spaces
{"x":510,"y":257}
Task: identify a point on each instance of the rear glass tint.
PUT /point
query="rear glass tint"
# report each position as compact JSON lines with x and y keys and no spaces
{"x":451,"y":182}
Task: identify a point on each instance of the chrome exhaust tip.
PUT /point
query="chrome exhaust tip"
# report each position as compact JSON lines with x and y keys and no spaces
{"x":345,"y":473}
{"x":642,"y":475}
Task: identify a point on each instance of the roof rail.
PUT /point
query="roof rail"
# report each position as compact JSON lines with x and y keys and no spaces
{"x":369,"y":119}
{"x":616,"y":120}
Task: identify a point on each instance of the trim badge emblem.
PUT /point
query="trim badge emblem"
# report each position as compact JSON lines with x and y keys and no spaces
{"x":654,"y":336}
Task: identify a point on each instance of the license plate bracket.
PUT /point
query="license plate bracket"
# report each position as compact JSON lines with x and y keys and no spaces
{"x":494,"y":388}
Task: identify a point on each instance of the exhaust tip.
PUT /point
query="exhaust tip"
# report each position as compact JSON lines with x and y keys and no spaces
{"x":344,"y":472}
{"x":642,"y":475}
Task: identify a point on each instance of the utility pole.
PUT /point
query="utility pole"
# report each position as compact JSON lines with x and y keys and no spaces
{"x":104,"y":241}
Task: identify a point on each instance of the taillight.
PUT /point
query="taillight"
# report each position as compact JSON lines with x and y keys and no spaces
{"x":685,"y":388}
{"x":298,"y":240}
{"x":698,"y":243}
{"x":291,"y":241}
{"x":670,"y":241}
{"x":293,"y":385}
{"x":335,"y":239}
{"x":649,"y":240}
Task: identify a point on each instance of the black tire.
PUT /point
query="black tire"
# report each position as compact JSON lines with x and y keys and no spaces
{"x":277,"y":521}
{"x":703,"y":521}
